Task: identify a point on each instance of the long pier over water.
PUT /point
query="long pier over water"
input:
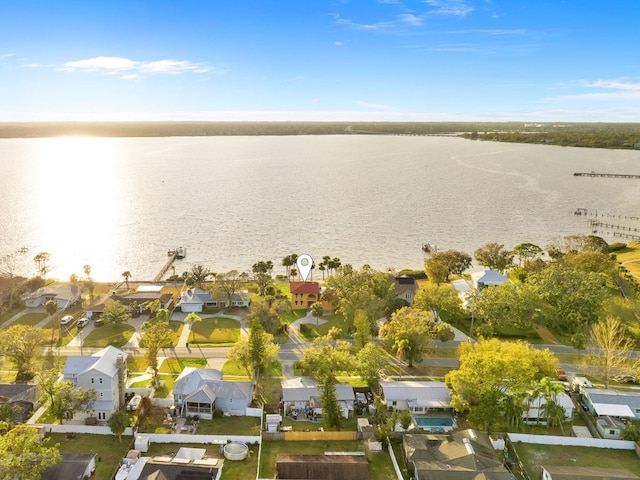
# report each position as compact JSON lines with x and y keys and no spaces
{"x":605,"y":175}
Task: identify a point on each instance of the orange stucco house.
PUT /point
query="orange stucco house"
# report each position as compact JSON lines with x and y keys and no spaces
{"x":305,"y":294}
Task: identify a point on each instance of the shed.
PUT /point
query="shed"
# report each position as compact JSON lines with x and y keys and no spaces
{"x":273,"y":421}
{"x":142,"y":443}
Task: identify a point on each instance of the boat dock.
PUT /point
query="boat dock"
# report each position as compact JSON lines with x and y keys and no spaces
{"x":177,"y":254}
{"x":605,"y":175}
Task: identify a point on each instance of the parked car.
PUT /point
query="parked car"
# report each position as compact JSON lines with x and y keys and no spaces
{"x":134,"y":402}
{"x":82,"y":322}
{"x":66,"y":320}
{"x":98,"y":322}
{"x":562,"y":375}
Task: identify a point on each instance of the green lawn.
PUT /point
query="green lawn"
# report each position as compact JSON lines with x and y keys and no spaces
{"x":115,"y":335}
{"x":230,"y":426}
{"x":331,"y":321}
{"x":176,"y":329}
{"x":176,"y":365}
{"x":215,"y":332}
{"x":10,"y":314}
{"x":109,"y":450}
{"x":532,"y":456}
{"x":30,"y":319}
{"x":380,"y":467}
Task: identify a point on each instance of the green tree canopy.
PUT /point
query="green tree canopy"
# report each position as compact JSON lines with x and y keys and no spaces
{"x":489,"y":371}
{"x":118,"y":422}
{"x":494,"y":256}
{"x":435,"y":298}
{"x":156,"y":334}
{"x":254,"y":353}
{"x":21,"y":344}
{"x":410,"y":332}
{"x":508,"y":304}
{"x":26,"y":454}
{"x":115,"y":312}
{"x":68,"y":399}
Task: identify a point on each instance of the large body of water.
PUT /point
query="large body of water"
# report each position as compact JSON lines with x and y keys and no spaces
{"x":119,"y":204}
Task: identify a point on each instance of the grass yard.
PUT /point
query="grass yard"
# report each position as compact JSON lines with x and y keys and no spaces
{"x":215,"y":332}
{"x":311,"y":330}
{"x":176,"y":365}
{"x":136,"y":364}
{"x":10,"y":314}
{"x":230,"y":426}
{"x":630,"y":258}
{"x":31,"y":319}
{"x":532,"y":456}
{"x":176,"y":329}
{"x":380,"y":467}
{"x":115,"y":335}
{"x":107,"y":447}
{"x":231,"y":368}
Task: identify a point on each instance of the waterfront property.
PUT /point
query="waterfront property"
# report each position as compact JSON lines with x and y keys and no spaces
{"x":305,"y":294}
{"x":488,"y":278}
{"x":64,"y":295}
{"x":197,"y":299}
{"x":137,"y":298}
{"x":106,"y":373}
{"x":201,"y":391}
{"x":405,"y":288}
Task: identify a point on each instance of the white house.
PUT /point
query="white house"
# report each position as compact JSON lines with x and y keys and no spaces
{"x":614,"y":403}
{"x":197,"y":299}
{"x":64,"y":295}
{"x":487,"y":278}
{"x":200,"y":391}
{"x":536,"y":413}
{"x":417,"y":397}
{"x":106,"y":373}
{"x":301,"y":396}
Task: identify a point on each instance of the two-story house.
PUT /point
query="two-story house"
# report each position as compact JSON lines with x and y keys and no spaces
{"x":106,"y":373}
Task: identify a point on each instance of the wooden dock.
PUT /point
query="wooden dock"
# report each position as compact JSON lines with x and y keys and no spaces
{"x":605,"y":175}
{"x":172,"y":257}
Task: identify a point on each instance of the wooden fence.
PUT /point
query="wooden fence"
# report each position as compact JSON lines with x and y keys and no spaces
{"x":320,"y":436}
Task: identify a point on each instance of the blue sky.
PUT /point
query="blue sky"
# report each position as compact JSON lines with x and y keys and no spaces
{"x":387,"y":60}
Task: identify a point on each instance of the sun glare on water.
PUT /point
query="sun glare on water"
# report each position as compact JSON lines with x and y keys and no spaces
{"x":74,"y":201}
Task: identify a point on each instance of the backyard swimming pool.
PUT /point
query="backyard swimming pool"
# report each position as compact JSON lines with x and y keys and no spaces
{"x":434,"y":422}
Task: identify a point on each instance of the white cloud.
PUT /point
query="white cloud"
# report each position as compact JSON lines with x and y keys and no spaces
{"x":410,"y":19}
{"x":375,"y":106}
{"x":7,"y":55}
{"x":458,"y":8}
{"x":602,"y":90}
{"x":132,"y":69}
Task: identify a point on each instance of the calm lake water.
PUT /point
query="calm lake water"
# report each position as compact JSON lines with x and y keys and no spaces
{"x":120,"y":203}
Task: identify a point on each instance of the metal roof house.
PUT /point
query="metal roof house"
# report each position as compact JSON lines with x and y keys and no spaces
{"x":200,"y":391}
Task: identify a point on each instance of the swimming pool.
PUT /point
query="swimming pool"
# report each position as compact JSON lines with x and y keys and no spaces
{"x":431,"y":422}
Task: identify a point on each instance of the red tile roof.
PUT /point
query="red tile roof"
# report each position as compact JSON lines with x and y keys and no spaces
{"x":305,"y":287}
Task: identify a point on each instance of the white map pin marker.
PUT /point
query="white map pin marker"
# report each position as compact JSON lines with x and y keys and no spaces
{"x":304,"y":263}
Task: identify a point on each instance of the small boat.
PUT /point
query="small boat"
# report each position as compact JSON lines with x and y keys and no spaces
{"x":429,"y":248}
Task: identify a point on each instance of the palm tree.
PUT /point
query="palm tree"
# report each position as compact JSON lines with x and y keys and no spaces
{"x":126,"y":274}
{"x":192,"y":318}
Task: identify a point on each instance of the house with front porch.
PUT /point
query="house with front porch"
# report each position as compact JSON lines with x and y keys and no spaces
{"x":301,"y":398}
{"x":106,"y":373}
{"x":201,"y":391}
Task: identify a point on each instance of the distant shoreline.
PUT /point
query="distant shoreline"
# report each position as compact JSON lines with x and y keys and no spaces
{"x":593,"y":135}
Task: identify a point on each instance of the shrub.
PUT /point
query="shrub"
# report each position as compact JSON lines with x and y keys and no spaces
{"x":218,"y":413}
